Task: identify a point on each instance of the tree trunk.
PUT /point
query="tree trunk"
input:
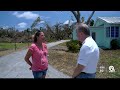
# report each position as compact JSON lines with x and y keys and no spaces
{"x":77,"y":16}
{"x":88,"y":21}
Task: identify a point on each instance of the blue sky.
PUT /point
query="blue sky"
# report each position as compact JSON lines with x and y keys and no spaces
{"x":23,"y":19}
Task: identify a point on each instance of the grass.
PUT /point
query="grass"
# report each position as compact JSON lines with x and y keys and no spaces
{"x":63,"y":44}
{"x":61,"y":59}
{"x":7,"y":48}
{"x":66,"y":61}
{"x":109,"y":58}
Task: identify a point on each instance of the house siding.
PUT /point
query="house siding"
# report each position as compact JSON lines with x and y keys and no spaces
{"x":99,"y":35}
{"x":74,"y":34}
{"x":101,"y":39}
{"x":98,"y":23}
{"x":109,"y":39}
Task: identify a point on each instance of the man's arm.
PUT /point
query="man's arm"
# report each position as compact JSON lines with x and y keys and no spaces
{"x":78,"y":70}
{"x":82,"y":60}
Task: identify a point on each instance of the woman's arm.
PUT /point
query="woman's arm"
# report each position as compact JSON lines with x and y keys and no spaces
{"x":46,"y":50}
{"x":27,"y":57}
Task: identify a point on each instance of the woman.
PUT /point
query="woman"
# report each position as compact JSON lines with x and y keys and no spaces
{"x":38,"y":51}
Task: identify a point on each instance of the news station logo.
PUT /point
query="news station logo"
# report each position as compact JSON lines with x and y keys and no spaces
{"x":103,"y":69}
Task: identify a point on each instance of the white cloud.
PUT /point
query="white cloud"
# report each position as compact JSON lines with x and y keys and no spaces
{"x":42,"y":22}
{"x":15,"y":13}
{"x":43,"y":17}
{"x":29,"y":15}
{"x":47,"y":17}
{"x":26,"y":15}
{"x":5,"y":27}
{"x":22,"y":25}
{"x":58,"y":12}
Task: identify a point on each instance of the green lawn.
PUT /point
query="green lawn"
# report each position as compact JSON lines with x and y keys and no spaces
{"x":7,"y":46}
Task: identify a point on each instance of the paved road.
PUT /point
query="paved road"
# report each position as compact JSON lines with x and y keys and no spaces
{"x":14,"y":66}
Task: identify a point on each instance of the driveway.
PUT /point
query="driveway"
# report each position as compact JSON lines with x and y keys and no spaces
{"x":14,"y":66}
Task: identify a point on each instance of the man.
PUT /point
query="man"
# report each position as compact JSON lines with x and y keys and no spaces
{"x":88,"y":55}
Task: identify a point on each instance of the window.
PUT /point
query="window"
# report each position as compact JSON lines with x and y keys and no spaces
{"x":112,"y":32}
{"x":107,"y":31}
{"x":117,"y":32}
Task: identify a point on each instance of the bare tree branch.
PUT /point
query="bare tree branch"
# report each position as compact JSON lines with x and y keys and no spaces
{"x":88,"y":21}
{"x":35,"y":22}
{"x":49,"y":28}
{"x":77,"y":16}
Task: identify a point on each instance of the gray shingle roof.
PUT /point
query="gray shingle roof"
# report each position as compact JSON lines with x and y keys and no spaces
{"x":114,"y":20}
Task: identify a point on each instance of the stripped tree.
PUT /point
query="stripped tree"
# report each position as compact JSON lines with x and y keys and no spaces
{"x":80,"y":20}
{"x":35,"y":23}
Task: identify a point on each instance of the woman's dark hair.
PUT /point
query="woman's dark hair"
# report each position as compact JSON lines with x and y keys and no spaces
{"x":36,"y":35}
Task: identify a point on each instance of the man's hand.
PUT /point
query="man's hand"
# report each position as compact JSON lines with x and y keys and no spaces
{"x":78,"y":70}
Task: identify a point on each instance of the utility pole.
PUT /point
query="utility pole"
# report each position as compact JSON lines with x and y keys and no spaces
{"x":28,"y":35}
{"x":15,"y":38}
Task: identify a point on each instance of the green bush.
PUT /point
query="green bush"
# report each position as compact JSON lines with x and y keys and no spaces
{"x":114,"y":44}
{"x":73,"y":46}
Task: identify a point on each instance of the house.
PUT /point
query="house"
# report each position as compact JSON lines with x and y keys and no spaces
{"x":69,"y":22}
{"x":105,"y":29}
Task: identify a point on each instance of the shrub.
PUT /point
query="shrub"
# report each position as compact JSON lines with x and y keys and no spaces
{"x":73,"y":46}
{"x":114,"y":44}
